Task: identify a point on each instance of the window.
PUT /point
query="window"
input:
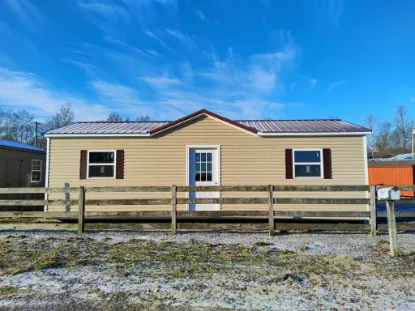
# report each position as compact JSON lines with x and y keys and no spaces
{"x":203,"y":162}
{"x":36,"y":170}
{"x":101,"y":164}
{"x":308,"y":163}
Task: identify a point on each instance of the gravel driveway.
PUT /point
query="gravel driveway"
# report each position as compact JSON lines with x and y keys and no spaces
{"x":116,"y":270}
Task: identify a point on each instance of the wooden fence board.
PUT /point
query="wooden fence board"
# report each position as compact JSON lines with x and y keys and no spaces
{"x":38,"y":226}
{"x":128,"y":202}
{"x":129,"y":189}
{"x":38,"y":214}
{"x":398,"y":214}
{"x":400,"y":226}
{"x":37,"y":190}
{"x":320,"y":201}
{"x":280,"y":188}
{"x":222,"y":188}
{"x":321,"y":226}
{"x":37,"y":202}
{"x":341,"y":214}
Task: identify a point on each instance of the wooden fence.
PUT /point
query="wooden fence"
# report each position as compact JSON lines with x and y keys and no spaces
{"x":277,"y":219}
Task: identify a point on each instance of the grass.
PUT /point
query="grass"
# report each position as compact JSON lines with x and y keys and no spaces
{"x":8,"y":290}
{"x":16,"y":256}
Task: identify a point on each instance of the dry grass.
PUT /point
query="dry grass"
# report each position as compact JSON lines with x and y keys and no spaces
{"x":260,"y":263}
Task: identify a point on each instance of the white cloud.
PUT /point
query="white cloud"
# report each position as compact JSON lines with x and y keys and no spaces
{"x":26,"y":13}
{"x":412,"y":99}
{"x":201,"y":15}
{"x":24,"y":91}
{"x":313,"y":82}
{"x":335,"y":84}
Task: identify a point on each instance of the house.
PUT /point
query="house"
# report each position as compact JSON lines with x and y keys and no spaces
{"x":394,"y":171}
{"x":204,"y":148}
{"x":21,"y":165}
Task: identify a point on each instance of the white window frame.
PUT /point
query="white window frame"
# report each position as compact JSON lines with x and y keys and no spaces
{"x":101,"y":164}
{"x":32,"y":170}
{"x":321,"y":163}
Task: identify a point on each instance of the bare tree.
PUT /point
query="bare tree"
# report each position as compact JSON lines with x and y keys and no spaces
{"x":64,"y":117}
{"x":371,"y":123}
{"x":401,"y":135}
{"x":17,"y":125}
{"x":143,"y":118}
{"x":114,"y":117}
{"x":383,"y":139}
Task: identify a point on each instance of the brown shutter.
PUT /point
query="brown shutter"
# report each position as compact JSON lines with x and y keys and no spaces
{"x":327,"y":163}
{"x":288,"y":163}
{"x":120,"y":165}
{"x":82,"y":171}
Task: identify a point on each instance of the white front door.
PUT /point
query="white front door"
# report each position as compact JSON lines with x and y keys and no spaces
{"x":204,"y":171}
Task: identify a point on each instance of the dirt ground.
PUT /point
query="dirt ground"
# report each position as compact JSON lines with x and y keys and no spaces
{"x":116,"y":270}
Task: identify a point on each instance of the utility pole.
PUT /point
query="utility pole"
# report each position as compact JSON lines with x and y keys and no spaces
{"x":36,"y":124}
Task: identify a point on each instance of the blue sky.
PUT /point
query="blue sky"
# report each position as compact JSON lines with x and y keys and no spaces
{"x":243,"y":59}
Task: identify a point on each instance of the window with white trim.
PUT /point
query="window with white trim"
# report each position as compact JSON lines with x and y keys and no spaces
{"x":308,"y":163}
{"x":101,"y":164}
{"x":36,"y":171}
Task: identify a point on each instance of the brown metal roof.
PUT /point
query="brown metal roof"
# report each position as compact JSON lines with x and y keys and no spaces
{"x":254,"y":126}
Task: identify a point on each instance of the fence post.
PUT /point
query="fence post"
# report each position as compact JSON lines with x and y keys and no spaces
{"x":271,"y":210}
{"x":372,"y":207}
{"x":81,"y":212}
{"x":173,"y":209}
{"x":390,"y":206}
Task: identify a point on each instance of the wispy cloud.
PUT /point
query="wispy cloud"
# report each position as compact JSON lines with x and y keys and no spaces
{"x":201,"y":15}
{"x":412,"y":99}
{"x":25,"y":91}
{"x":329,"y":11}
{"x":26,"y":12}
{"x":335,"y":84}
{"x":109,"y":11}
{"x":313,"y":82}
{"x":187,"y":41}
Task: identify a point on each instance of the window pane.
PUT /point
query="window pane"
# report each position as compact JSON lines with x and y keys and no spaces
{"x":197,"y":167}
{"x":307,"y":171}
{"x":209,"y":176}
{"x":209,"y":157}
{"x":101,"y":171}
{"x":203,"y":177}
{"x":197,"y":177}
{"x":307,"y":156}
{"x":197,"y":157}
{"x":203,"y":167}
{"x":36,"y":165}
{"x":101,"y":157}
{"x":36,"y":176}
{"x":209,"y":167}
{"x":203,"y":157}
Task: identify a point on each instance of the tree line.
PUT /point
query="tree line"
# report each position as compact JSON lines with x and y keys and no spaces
{"x":390,"y":138}
{"x":21,"y":125}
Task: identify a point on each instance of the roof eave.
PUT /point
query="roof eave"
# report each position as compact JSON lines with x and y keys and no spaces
{"x":97,"y":135}
{"x":314,"y":134}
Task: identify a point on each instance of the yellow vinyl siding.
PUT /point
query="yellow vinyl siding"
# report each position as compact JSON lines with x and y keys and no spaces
{"x":246,"y":159}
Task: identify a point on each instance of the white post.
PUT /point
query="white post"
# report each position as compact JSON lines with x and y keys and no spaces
{"x":45,"y":208}
{"x":390,"y":206}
